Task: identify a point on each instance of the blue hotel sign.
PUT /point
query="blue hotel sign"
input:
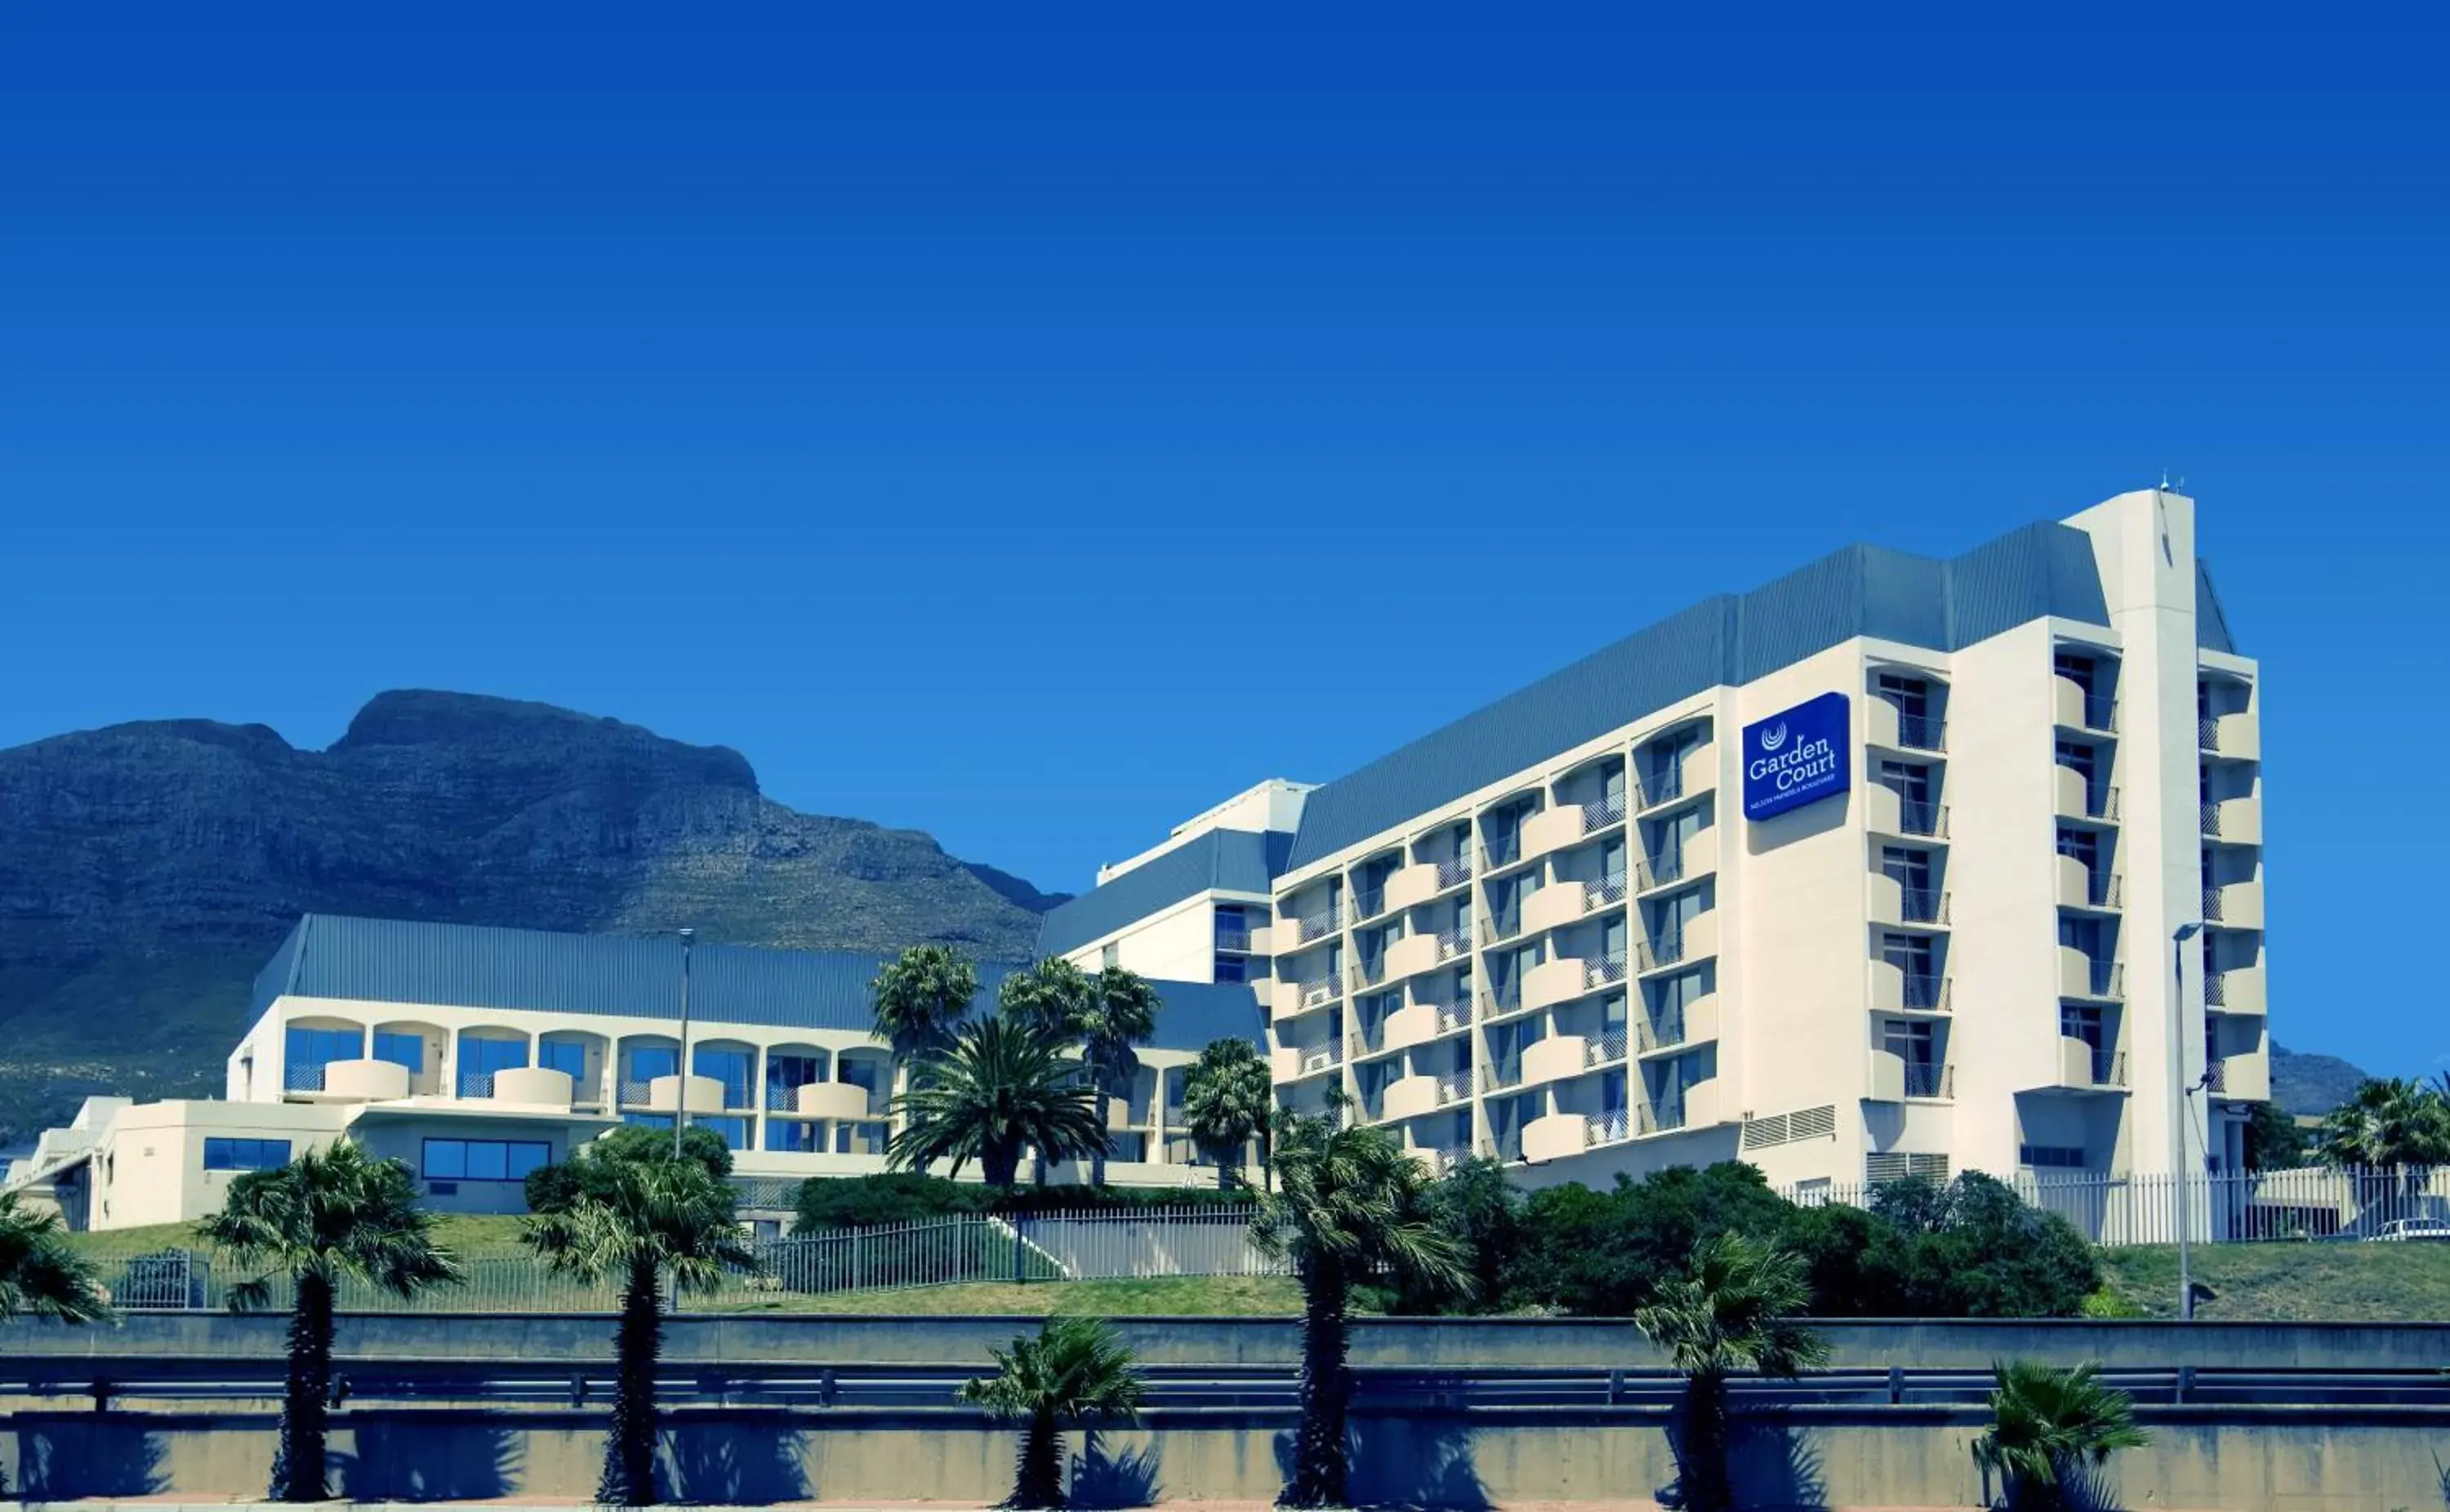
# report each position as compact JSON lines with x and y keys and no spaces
{"x":1798,"y":757}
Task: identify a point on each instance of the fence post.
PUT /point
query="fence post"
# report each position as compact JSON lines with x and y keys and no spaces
{"x":1018,"y":1275}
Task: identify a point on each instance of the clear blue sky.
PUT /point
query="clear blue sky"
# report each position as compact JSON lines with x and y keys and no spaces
{"x":1031,"y":424}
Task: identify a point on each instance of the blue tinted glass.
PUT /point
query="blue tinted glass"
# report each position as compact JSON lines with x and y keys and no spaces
{"x":647,"y":1062}
{"x":730,"y":1067}
{"x":402,"y":1050}
{"x":319,"y":1047}
{"x":563,"y":1056}
{"x":446,"y":1159}
{"x":734,"y":1131}
{"x":648,"y":1120}
{"x":526,"y":1155}
{"x":488,"y":1160}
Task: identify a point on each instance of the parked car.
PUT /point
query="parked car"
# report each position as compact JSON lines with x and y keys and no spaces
{"x":2405,"y":1229}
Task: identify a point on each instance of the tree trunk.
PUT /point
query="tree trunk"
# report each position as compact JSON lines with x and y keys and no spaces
{"x":999,"y":1164}
{"x":630,"y":1450}
{"x":1098,"y":1165}
{"x":1320,"y":1471}
{"x":1039,"y":1481}
{"x":1224,"y":1175}
{"x":298,"y":1463}
{"x":1267,"y":1157}
{"x":1701,"y":1469}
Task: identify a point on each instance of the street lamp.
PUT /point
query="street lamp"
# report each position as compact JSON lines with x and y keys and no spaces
{"x":680,"y":1104}
{"x":2178,"y":1086}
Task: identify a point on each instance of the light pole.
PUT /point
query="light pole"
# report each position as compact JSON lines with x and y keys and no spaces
{"x":680,"y":1104}
{"x":2178,"y":1086}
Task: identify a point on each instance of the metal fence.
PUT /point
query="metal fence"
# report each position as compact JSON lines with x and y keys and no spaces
{"x":2311,"y":1202}
{"x":967,"y":1248}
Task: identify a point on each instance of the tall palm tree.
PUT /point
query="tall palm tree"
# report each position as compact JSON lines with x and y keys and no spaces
{"x":1050,"y":997}
{"x":2389,"y":1122}
{"x":40,"y":1275}
{"x":1077,"y":1372}
{"x":2046,"y":1423}
{"x":1228,"y":1095}
{"x":1733,"y":1310}
{"x":999,"y":1089}
{"x":1120,"y":1017}
{"x":631,"y":1224}
{"x":919,"y":1001}
{"x":329,"y":1215}
{"x":1350,"y":1205}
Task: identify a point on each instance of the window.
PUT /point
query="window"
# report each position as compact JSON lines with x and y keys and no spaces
{"x":479,"y":1059}
{"x":567,"y":1056}
{"x":1233,"y":968}
{"x":1233,"y":930}
{"x":648,"y":1120}
{"x":246,"y":1154}
{"x":2078,"y":758}
{"x":735,"y":1068}
{"x":794,"y":1135}
{"x":402,"y":1050}
{"x":320,"y":1047}
{"x":734,"y":1131}
{"x":2051,"y":1157}
{"x":484,"y":1159}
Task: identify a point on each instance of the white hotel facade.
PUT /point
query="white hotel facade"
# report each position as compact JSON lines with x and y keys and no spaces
{"x":1586,"y":931}
{"x":1879,"y":869}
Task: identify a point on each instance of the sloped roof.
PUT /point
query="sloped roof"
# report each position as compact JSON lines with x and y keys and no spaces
{"x":481,"y":966}
{"x":1221,"y":859}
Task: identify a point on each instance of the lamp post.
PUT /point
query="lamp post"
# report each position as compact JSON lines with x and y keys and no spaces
{"x":680,"y":1104}
{"x":2180,"y":1091}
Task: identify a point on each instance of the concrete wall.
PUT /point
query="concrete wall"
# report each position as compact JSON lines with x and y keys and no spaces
{"x":1561,"y":1343}
{"x":2237,"y":1458}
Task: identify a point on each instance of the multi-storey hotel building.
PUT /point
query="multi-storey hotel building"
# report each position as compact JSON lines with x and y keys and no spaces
{"x":1885,"y":867}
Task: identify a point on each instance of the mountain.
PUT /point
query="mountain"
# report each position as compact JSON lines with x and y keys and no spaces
{"x":147,"y":871}
{"x":2310,"y":1085}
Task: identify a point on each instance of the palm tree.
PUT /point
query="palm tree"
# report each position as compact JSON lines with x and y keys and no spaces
{"x":919,"y":998}
{"x":40,"y":1275}
{"x":1076,"y":1371}
{"x":2045,"y":1422}
{"x":630,"y":1224}
{"x":1121,"y":1017}
{"x":1733,"y":1310}
{"x":1349,"y":1206}
{"x":999,"y":1089}
{"x":2388,"y":1122}
{"x":1050,"y":997}
{"x":329,"y":1215}
{"x":1227,"y":1096}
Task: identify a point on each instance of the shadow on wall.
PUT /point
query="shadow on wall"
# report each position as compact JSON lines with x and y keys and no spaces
{"x":1768,"y":1463}
{"x":2081,"y":1488}
{"x":1398,"y":1462}
{"x":1104,"y":1478}
{"x":434,"y":1457}
{"x":737,"y":1464}
{"x":61,"y":1459}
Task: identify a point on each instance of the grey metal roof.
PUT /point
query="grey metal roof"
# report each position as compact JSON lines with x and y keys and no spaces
{"x":1222,"y":859}
{"x":480,"y":966}
{"x":2043,"y":568}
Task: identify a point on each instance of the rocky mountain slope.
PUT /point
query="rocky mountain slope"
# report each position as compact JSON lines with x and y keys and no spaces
{"x":147,"y":871}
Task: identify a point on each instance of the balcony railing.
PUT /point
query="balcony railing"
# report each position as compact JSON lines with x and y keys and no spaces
{"x":1454,"y":1087}
{"x":1500,"y":926}
{"x":1497,"y":1000}
{"x":1318,"y":1057}
{"x":1504,"y":851}
{"x":1605,"y":893}
{"x":2101,"y":712}
{"x":1453,"y":872}
{"x":304,"y":1077}
{"x":2106,"y":979}
{"x":1659,"y":1118}
{"x":1658,"y":871}
{"x":1366,"y":973}
{"x":1923,"y":818}
{"x":1453,"y":943}
{"x":1600,"y":813}
{"x":1924,"y":1079}
{"x":782,"y":1098}
{"x":1663,"y":787}
{"x":1664,"y":949}
{"x":2215,"y":989}
{"x":2212,"y":905}
{"x":2104,"y":889}
{"x":1928,"y":992}
{"x":1664,"y":1031}
{"x":1500,"y":1076}
{"x":1319,"y":990}
{"x":1369,"y":904}
{"x":1451,"y":1016}
{"x":1603,"y":1049}
{"x":1317,"y":926}
{"x":1603,"y":971}
{"x":1507,"y":1146}
{"x":1607,"y":1128}
{"x":2109,"y":1068}
{"x":1367,"y":1041}
{"x":1229,"y":938}
{"x":1922,"y":905}
{"x":1922,"y":732}
{"x":2216,"y":1074}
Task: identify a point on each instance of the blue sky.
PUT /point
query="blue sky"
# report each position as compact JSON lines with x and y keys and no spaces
{"x":1031,"y":426}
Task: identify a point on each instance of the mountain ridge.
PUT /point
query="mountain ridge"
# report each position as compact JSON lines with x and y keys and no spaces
{"x":148,"y":869}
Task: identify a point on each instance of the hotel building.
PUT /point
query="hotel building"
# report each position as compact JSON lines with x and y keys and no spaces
{"x":1879,"y":869}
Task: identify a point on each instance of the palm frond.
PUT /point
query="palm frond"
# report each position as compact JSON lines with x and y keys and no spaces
{"x":1075,"y":1371}
{"x":1000,"y":1089}
{"x":40,"y":1275}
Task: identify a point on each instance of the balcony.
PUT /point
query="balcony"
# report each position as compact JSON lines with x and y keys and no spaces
{"x":1697,"y":857}
{"x":1292,"y":1062}
{"x":1496,"y":929}
{"x":1507,"y":1146}
{"x":1418,"y":1023}
{"x":1293,"y":995}
{"x":1896,"y":990}
{"x":1606,"y":1049}
{"x":2082,"y":798}
{"x":1439,"y":1159}
{"x":2084,"y":1067}
{"x":1696,"y":1023}
{"x":1552,"y":982}
{"x":1367,"y":903}
{"x":1553,"y":1060}
{"x":1886,"y":813}
{"x":1694,"y":773}
{"x":836,"y":1099}
{"x":1696,"y":1107}
{"x":2080,"y":975}
{"x":1424,"y":879}
{"x":1893,"y":903}
{"x":2074,"y":708}
{"x":2237,"y":737}
{"x":663,"y":1093}
{"x":2234,"y":906}
{"x":1696,"y":940}
{"x":1569,"y":822}
{"x":1408,"y":1097}
{"x":1312,"y":928}
{"x":356,"y":1080}
{"x":1895,"y":1079}
{"x":2082,"y":887}
{"x":1884,"y":726}
{"x":2238,"y":989}
{"x":1411,"y":955}
{"x":544,"y":1087}
{"x":1371,"y":1040}
{"x":2245,"y":1078}
{"x":1502,"y":1076}
{"x":2235,"y":820}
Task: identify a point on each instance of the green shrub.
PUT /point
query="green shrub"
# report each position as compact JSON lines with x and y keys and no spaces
{"x":550,"y":1189}
{"x":901,"y":1196}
